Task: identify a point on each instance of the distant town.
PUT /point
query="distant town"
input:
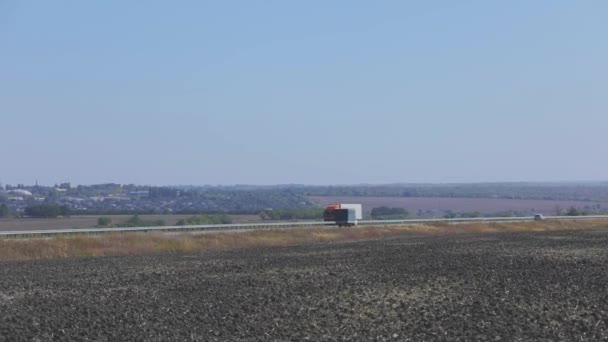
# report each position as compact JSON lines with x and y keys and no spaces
{"x":403,"y":200}
{"x":133,"y":199}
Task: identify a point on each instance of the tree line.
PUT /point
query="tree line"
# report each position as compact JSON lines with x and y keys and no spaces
{"x":137,"y":221}
{"x":46,"y":211}
{"x":386,"y":213}
{"x":292,"y":214}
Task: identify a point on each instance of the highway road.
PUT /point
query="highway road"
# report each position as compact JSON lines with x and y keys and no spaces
{"x":273,"y":225}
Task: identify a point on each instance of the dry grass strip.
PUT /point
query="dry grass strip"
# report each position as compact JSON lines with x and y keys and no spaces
{"x":113,"y":244}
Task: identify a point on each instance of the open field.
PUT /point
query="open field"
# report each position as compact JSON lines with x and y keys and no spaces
{"x":86,"y":221}
{"x":482,"y":205}
{"x":472,"y":286}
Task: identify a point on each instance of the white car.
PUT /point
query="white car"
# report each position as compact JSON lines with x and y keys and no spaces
{"x":538,"y":217}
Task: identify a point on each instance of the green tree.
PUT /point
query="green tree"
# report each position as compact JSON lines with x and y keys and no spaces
{"x":4,"y":211}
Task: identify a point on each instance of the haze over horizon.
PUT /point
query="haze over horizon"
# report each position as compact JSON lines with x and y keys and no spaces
{"x":548,"y":183}
{"x":321,"y":93}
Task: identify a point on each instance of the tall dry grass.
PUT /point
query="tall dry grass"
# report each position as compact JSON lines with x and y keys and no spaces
{"x":145,"y":243}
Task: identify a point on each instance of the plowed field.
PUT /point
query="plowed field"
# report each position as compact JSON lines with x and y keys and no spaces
{"x":507,"y":286}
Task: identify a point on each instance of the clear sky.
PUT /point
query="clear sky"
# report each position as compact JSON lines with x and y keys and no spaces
{"x":312,"y":92}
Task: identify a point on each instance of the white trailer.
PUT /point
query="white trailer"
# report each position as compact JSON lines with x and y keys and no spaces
{"x":356,"y":207}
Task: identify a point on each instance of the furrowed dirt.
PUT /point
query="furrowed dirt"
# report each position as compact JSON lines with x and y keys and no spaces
{"x":491,"y":286}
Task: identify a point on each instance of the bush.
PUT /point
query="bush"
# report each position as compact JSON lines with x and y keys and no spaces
{"x":104,"y":221}
{"x":205,"y":219}
{"x":386,"y":213}
{"x":575,"y":212}
{"x":4,"y":212}
{"x":136,"y":221}
{"x":472,"y":214}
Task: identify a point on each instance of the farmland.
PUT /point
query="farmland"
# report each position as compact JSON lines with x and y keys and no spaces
{"x":471,"y":286}
{"x":482,"y":205}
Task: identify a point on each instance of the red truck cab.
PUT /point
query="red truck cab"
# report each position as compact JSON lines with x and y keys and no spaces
{"x":328,"y":214}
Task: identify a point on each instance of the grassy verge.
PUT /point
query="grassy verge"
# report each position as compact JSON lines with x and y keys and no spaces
{"x":145,"y":243}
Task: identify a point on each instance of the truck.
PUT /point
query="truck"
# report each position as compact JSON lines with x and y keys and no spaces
{"x":345,"y":217}
{"x":343,"y":214}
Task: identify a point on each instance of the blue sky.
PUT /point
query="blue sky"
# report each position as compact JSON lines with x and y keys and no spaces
{"x":312,"y":92}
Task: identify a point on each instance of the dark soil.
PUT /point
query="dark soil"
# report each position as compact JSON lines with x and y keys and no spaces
{"x":507,"y":287}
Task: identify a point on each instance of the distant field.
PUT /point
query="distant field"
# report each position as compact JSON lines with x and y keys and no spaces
{"x":482,"y":205}
{"x":91,"y":221}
